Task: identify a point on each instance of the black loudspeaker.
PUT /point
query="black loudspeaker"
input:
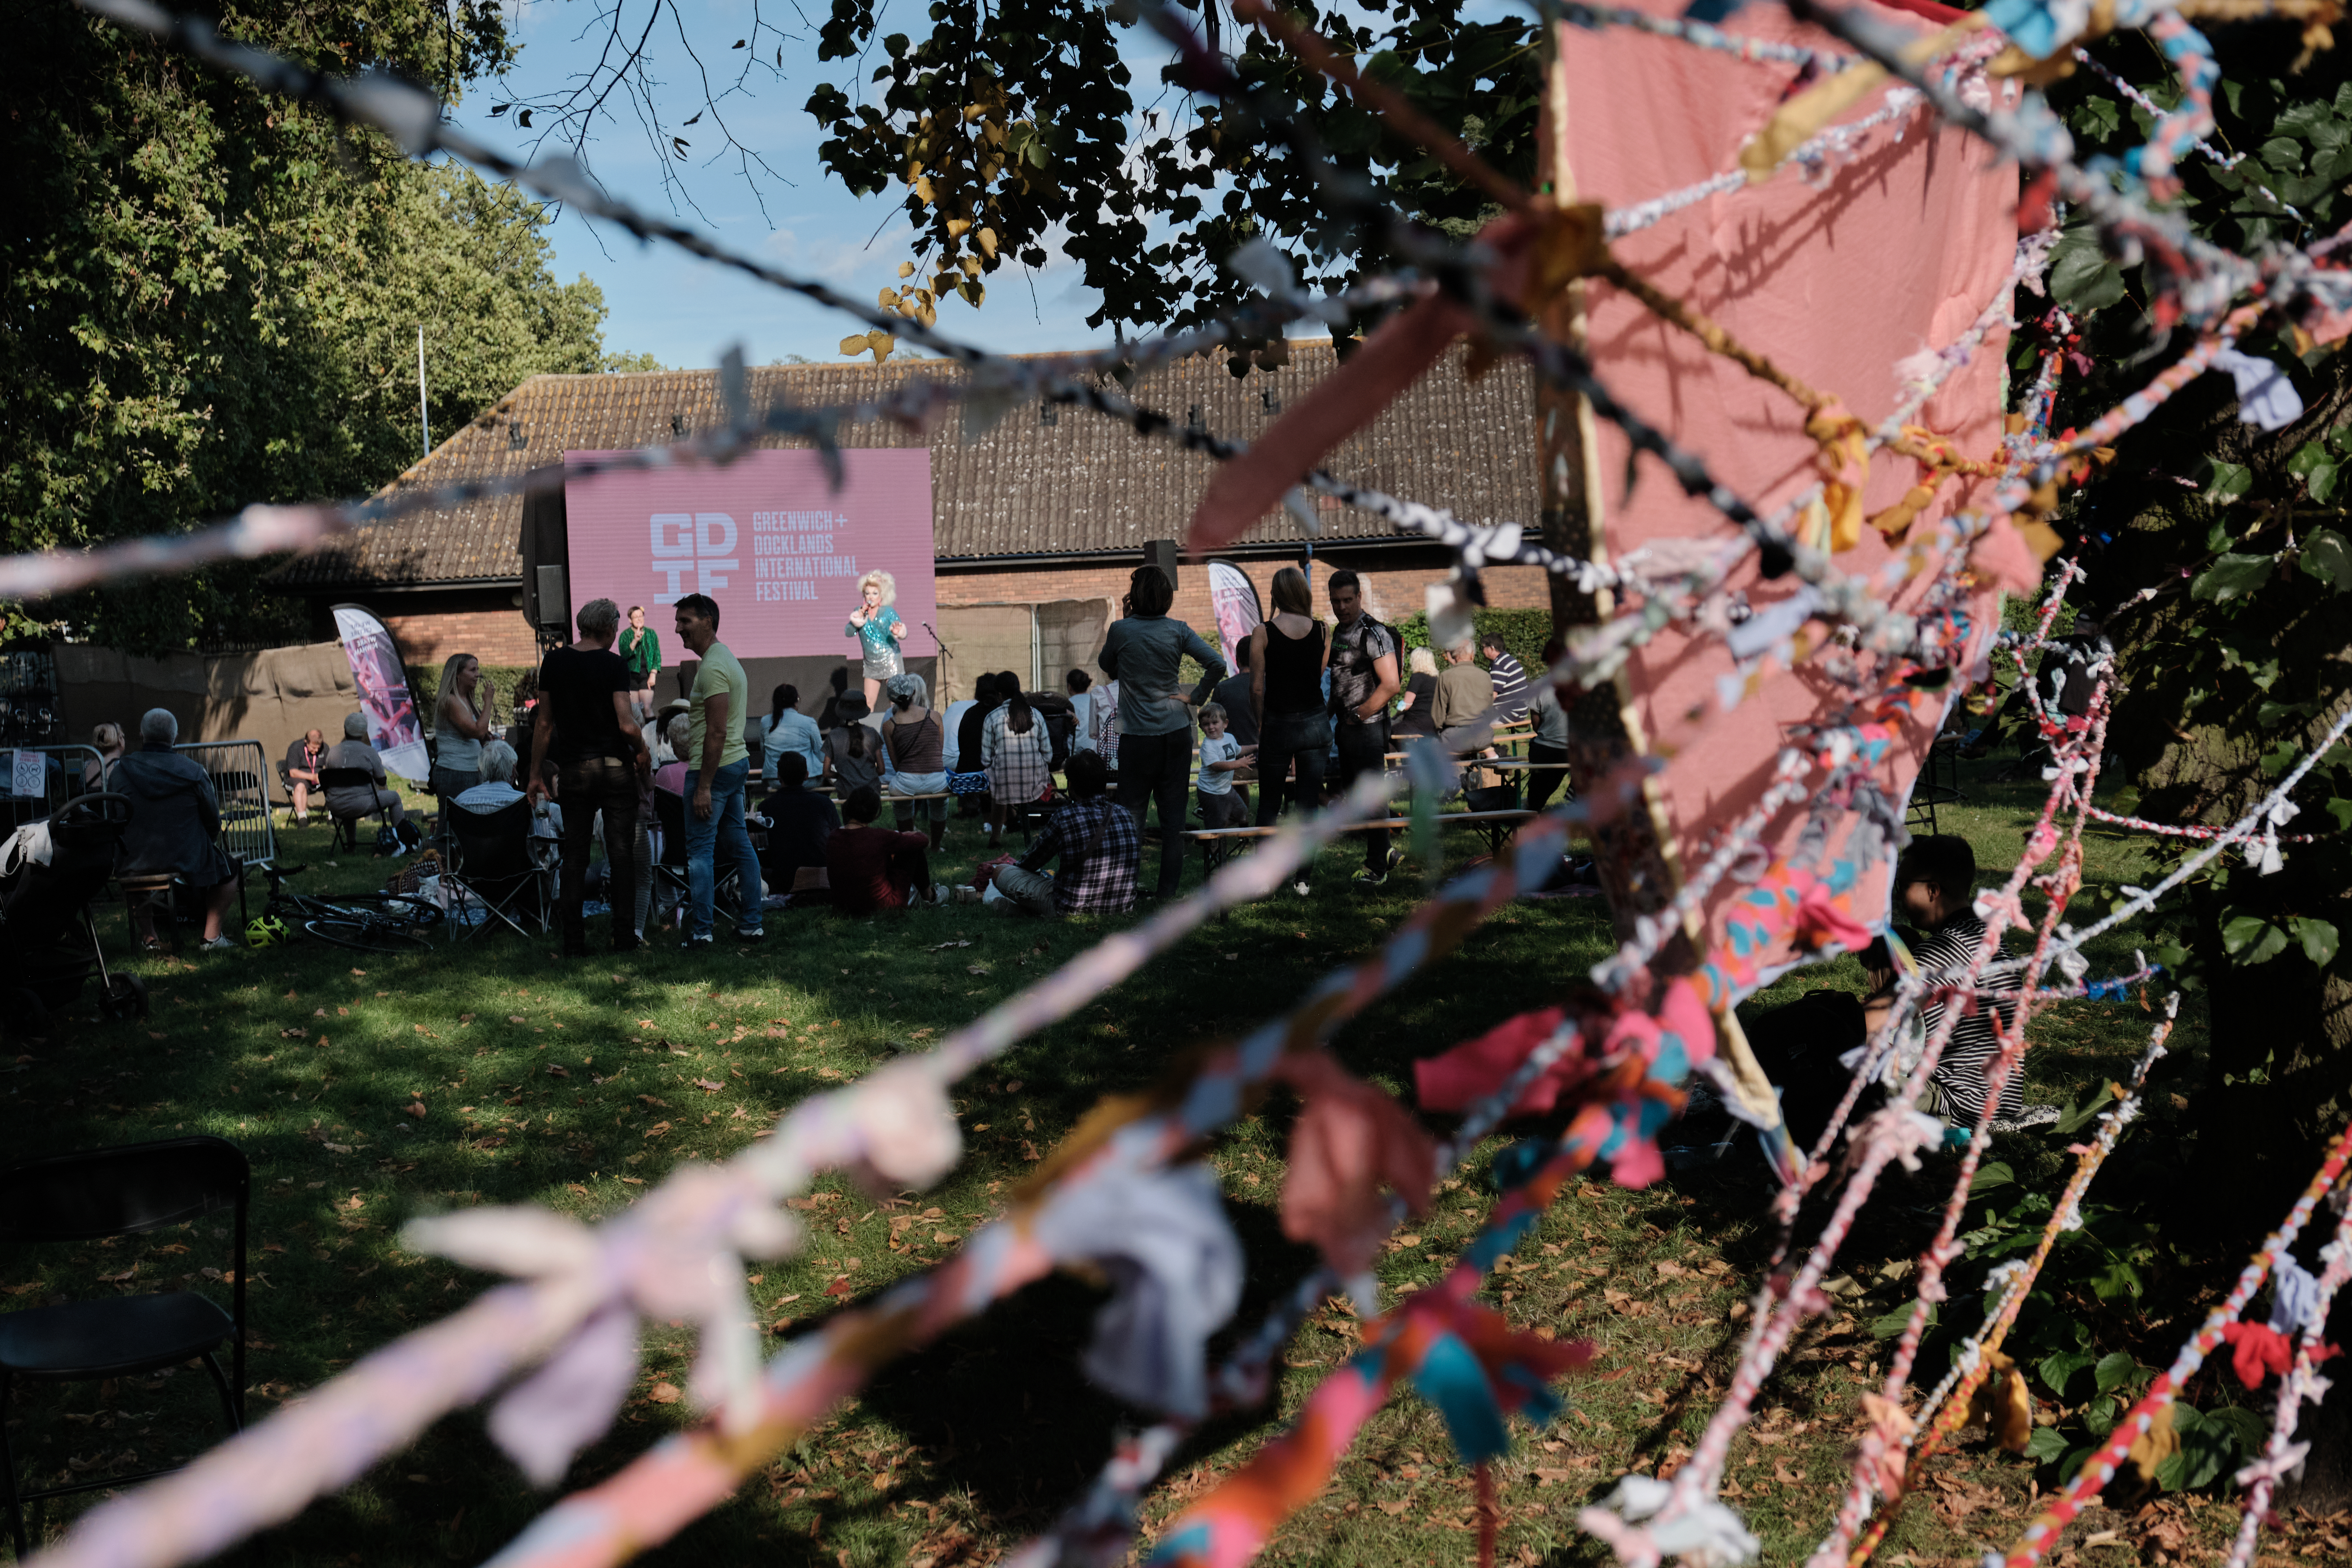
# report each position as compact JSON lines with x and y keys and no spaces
{"x":1161,"y":552}
{"x":546,"y":557}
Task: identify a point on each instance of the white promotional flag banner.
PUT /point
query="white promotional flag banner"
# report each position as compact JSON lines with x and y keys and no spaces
{"x":394,"y":729}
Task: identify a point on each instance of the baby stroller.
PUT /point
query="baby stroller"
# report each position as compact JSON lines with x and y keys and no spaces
{"x":49,"y":941}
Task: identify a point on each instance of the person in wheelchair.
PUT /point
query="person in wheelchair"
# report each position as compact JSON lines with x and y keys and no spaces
{"x":174,"y":826}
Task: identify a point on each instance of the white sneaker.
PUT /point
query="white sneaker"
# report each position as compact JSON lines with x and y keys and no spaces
{"x":1300,"y":888}
{"x":2031,"y":1117}
{"x":222,"y":944}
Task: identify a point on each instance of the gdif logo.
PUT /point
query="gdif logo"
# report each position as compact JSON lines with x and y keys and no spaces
{"x":702,"y":542}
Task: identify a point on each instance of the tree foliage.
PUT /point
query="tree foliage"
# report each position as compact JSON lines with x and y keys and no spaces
{"x":210,"y":297}
{"x":1015,"y":130}
{"x":2220,"y":552}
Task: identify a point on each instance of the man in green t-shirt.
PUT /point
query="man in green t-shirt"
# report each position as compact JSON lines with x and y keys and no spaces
{"x":718,"y":763}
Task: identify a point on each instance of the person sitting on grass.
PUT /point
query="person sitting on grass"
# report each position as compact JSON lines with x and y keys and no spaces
{"x":1099,"y":847}
{"x":873,"y":868}
{"x":801,"y":823}
{"x":174,"y":826}
{"x":1935,"y":885}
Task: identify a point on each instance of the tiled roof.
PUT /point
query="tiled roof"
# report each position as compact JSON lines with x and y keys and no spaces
{"x":1082,"y":484}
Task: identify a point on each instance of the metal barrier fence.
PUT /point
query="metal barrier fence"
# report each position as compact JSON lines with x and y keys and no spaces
{"x":240,"y":774}
{"x":61,"y":775}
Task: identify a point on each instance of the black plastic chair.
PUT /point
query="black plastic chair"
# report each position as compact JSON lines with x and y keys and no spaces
{"x":347,"y":828}
{"x":492,"y":863}
{"x":122,"y":1191}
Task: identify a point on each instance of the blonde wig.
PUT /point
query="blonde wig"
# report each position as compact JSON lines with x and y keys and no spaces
{"x":882,"y":580}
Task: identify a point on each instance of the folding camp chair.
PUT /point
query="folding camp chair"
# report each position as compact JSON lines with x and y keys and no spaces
{"x":122,"y":1191}
{"x":670,"y":867}
{"x":492,"y":864}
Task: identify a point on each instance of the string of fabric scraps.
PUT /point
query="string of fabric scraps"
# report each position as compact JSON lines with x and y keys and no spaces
{"x":2298,"y":1302}
{"x":2188,"y":830}
{"x":683,"y":1233}
{"x":2192,"y":280}
{"x":1073,"y":1216}
{"x":1878,"y":1457}
{"x":2155,"y":112}
{"x":1462,"y":1357}
{"x":1953,"y":1403}
{"x":2100,"y":1468}
{"x":1815,"y":155}
{"x":2271,"y":813}
{"x":1893,"y":1134}
{"x":1099,"y":1529}
{"x":1461,"y":276}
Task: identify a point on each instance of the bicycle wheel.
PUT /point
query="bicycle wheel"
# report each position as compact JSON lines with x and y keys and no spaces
{"x":366,"y":932}
{"x":401,"y":909}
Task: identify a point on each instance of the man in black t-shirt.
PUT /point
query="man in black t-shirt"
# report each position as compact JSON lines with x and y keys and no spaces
{"x":587,"y":753}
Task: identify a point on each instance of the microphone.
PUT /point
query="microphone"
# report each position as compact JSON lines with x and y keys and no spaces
{"x":935,"y":635}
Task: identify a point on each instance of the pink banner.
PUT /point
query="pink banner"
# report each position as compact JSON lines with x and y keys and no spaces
{"x":768,"y":538}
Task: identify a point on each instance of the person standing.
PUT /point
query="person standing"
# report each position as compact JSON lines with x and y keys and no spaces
{"x":1510,"y":678}
{"x":720,"y":762}
{"x":587,"y":755}
{"x":879,"y":630}
{"x":640,"y":650}
{"x":1548,"y":750}
{"x":1144,"y":653}
{"x":1363,"y":678}
{"x":1233,"y":694}
{"x":1018,"y":753}
{"x":1286,"y":659}
{"x":461,"y":723}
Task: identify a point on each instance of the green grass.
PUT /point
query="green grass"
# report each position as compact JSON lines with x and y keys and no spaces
{"x":575,"y":1086}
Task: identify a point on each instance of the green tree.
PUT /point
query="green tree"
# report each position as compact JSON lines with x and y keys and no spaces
{"x":211,"y":297}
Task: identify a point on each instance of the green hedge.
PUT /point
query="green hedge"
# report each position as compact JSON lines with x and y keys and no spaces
{"x":1524,"y":633}
{"x":427,"y":684}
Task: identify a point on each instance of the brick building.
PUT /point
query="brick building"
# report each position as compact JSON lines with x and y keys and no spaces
{"x":1038,"y":520}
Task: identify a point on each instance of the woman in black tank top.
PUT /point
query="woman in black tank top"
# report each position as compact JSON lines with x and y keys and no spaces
{"x":1294,"y":730}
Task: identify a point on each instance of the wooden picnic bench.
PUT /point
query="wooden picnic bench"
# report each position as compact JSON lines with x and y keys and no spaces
{"x":1497,"y":826}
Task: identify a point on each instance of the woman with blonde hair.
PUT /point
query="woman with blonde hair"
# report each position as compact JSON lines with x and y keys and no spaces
{"x":461,"y":723}
{"x":108,"y":741}
{"x":879,"y":630}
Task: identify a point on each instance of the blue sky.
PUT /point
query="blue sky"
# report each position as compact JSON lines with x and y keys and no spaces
{"x":686,"y":313}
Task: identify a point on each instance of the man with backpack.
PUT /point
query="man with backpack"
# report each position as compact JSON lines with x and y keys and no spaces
{"x":1363,"y":681}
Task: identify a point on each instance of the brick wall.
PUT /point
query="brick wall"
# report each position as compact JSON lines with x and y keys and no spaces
{"x":487,"y":624}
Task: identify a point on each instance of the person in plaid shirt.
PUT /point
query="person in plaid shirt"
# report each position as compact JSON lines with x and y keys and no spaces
{"x":1099,"y":847}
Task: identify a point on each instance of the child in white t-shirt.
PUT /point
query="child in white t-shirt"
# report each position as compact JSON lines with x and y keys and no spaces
{"x":1222,"y":805}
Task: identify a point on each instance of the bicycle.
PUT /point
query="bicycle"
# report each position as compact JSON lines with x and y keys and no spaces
{"x":366,"y":923}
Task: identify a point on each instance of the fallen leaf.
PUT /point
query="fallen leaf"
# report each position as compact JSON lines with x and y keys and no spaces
{"x":517,"y":1019}
{"x":641,"y":1023}
{"x":942,"y":947}
{"x":635,"y":1181}
{"x":663,"y":1393}
{"x":118,"y":1279}
{"x":838,"y":1287}
{"x":707,"y":1086}
{"x":555,"y":1071}
{"x":572,"y":1187}
{"x":415,"y":1108}
{"x":976,"y":968}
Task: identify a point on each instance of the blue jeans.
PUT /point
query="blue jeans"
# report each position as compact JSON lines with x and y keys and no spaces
{"x":702,"y":835}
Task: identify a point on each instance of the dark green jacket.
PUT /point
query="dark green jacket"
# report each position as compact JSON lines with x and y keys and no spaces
{"x":643,"y":659}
